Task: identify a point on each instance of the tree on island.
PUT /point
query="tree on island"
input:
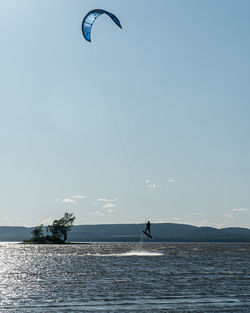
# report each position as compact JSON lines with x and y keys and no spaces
{"x":37,"y":233}
{"x":60,"y":228}
{"x":58,"y":231}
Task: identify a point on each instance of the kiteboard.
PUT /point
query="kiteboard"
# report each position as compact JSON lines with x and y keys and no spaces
{"x":147,"y":234}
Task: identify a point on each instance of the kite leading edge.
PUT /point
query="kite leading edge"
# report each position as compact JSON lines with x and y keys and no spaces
{"x":90,"y":18}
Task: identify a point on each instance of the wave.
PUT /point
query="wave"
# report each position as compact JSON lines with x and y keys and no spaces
{"x":130,"y":253}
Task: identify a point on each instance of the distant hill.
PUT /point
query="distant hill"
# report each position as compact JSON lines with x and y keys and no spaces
{"x":132,"y":232}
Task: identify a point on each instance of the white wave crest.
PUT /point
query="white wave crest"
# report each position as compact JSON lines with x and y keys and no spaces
{"x":130,"y":253}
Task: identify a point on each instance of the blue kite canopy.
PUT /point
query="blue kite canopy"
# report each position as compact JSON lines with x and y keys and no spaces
{"x":89,"y":19}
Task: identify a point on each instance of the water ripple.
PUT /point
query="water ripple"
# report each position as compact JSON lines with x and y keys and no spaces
{"x":125,"y":277}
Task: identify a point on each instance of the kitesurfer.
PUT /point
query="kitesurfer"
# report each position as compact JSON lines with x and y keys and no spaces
{"x":147,"y":230}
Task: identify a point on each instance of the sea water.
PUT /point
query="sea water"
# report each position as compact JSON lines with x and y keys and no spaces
{"x":125,"y":277}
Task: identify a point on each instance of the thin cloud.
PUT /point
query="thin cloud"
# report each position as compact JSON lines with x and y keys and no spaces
{"x":99,"y":213}
{"x":78,"y":197}
{"x":230,"y":216}
{"x":111,"y":210}
{"x":205,"y":223}
{"x":199,"y":213}
{"x":171,"y":180}
{"x":19,"y":218}
{"x":202,"y":223}
{"x":45,"y":221}
{"x":239,"y":209}
{"x":68,"y":200}
{"x":150,"y":184}
{"x":106,"y":200}
{"x":153,"y":186}
{"x":177,"y":219}
{"x":163,"y":220}
{"x":109,"y":205}
{"x":71,"y":199}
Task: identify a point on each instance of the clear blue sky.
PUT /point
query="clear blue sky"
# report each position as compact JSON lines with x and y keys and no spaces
{"x":149,"y":121}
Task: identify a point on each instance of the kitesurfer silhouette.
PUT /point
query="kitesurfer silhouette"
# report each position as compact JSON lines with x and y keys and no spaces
{"x":147,"y":230}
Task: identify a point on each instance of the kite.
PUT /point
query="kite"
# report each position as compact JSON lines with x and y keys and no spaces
{"x":90,"y":18}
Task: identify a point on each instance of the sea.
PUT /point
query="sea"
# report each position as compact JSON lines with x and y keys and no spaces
{"x":125,"y":277}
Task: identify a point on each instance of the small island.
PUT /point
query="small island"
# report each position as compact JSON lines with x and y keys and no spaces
{"x":57,"y":233}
